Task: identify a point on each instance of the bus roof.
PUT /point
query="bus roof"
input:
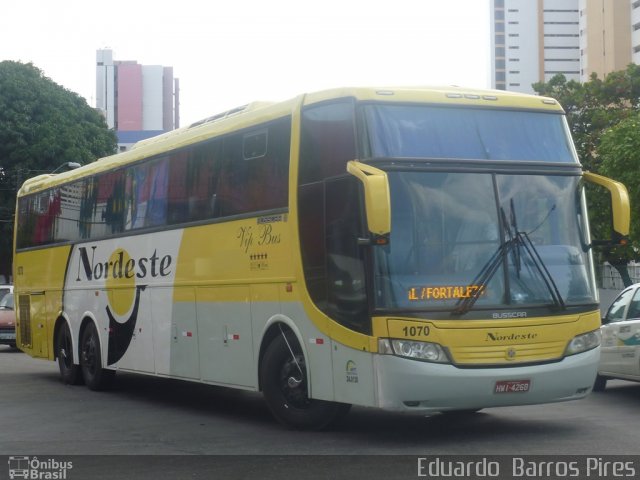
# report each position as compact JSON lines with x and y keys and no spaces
{"x":446,"y":95}
{"x":258,"y":112}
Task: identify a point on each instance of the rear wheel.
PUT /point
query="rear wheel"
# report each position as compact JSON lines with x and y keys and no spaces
{"x":69,"y":372}
{"x":95,"y":377}
{"x":283,"y":376}
{"x":600,"y":384}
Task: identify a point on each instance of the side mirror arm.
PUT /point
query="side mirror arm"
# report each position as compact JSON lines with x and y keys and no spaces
{"x":376,"y":196}
{"x":619,"y":206}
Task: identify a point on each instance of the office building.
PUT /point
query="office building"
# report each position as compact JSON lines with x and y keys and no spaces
{"x":533,"y":40}
{"x":635,"y":32}
{"x":605,"y":36}
{"x":138,"y":101}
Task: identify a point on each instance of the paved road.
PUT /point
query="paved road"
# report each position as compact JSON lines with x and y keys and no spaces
{"x":150,"y":416}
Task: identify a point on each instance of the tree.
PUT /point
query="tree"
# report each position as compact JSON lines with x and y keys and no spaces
{"x":619,"y":153}
{"x":594,"y":106}
{"x":42,"y":126}
{"x":595,"y":110}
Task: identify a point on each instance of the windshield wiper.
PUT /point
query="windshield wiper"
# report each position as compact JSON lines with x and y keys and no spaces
{"x":524,"y":240}
{"x":542,"y":269}
{"x":515,"y":240}
{"x":481,"y":280}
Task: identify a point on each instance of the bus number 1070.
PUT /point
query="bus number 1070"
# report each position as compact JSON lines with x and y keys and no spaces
{"x":416,"y":331}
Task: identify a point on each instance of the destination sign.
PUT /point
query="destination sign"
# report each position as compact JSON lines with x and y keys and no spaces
{"x":444,"y":292}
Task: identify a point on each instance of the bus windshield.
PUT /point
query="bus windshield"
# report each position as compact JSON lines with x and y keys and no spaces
{"x":425,"y":131}
{"x":449,"y":228}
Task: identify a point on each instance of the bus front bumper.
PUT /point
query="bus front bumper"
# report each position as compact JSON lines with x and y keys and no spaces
{"x":411,"y":385}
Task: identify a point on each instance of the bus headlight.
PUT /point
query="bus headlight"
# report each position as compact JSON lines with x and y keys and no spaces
{"x":425,"y":351}
{"x":582,"y":343}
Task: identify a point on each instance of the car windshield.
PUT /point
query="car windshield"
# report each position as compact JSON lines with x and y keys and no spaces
{"x":7,"y":302}
{"x":4,"y":291}
{"x":449,"y":229}
{"x":427,"y":131}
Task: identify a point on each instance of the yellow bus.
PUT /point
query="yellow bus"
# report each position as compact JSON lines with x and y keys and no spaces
{"x":410,"y":249}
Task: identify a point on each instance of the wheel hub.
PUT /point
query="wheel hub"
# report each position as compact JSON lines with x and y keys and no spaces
{"x":293,"y":382}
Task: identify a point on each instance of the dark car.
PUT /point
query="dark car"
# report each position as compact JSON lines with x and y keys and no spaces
{"x":7,"y":321}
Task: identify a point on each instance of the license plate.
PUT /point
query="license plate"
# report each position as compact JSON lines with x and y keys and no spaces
{"x":512,"y":386}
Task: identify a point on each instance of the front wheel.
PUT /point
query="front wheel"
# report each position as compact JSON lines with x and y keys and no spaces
{"x":70,"y":373}
{"x":283,"y":376}
{"x":95,"y":377}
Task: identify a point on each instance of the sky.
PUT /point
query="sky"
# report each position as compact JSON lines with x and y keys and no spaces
{"x":229,"y":53}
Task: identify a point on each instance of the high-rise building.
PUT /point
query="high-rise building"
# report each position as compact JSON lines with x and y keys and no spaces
{"x":533,"y":40}
{"x":635,"y":31}
{"x":605,"y":36}
{"x":138,"y":101}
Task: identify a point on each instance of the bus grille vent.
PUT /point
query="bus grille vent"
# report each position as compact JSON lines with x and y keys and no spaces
{"x":25,"y":320}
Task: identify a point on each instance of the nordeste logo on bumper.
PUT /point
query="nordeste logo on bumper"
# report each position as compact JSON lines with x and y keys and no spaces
{"x":120,"y":273}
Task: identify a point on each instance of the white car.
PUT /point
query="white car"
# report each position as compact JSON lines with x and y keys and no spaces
{"x":620,"y":348}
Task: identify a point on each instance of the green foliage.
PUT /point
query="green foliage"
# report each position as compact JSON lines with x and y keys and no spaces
{"x":604,"y":118}
{"x":594,"y":106}
{"x":619,"y":153}
{"x":42,"y":126}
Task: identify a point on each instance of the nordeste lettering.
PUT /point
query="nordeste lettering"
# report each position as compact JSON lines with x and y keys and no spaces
{"x":119,"y":268}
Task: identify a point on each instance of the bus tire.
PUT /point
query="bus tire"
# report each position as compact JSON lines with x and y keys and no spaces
{"x":70,"y":373}
{"x":95,"y":377}
{"x":285,"y":388}
{"x":600,"y":384}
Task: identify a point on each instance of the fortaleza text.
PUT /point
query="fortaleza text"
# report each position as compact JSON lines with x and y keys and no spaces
{"x":519,"y":467}
{"x":447,"y":292}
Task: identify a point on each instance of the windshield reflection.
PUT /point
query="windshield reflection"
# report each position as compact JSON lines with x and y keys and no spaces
{"x":448,"y":228}
{"x":420,"y":131}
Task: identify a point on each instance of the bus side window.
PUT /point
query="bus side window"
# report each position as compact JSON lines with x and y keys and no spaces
{"x":111,"y":208}
{"x":330,"y":214}
{"x":178,"y":197}
{"x":255,"y":169}
{"x":203,"y":170}
{"x":156,"y":212}
{"x":331,"y":221}
{"x":233,"y":176}
{"x":88,"y":189}
{"x":276,"y":193}
{"x":327,"y":141}
{"x":46,"y":213}
{"x":346,"y":289}
{"x":311,"y":214}
{"x":193,"y":180}
{"x":24,"y":233}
